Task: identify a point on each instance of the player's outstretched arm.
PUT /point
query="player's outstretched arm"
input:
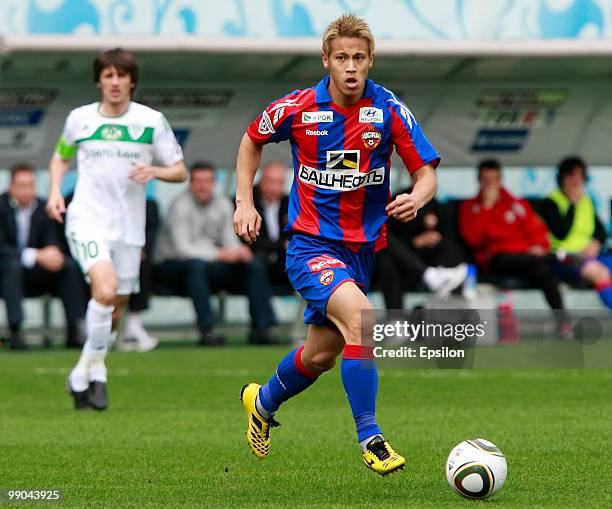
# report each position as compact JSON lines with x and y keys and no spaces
{"x":405,"y":206}
{"x":173,"y":173}
{"x":56,"y":207}
{"x":247,"y":221}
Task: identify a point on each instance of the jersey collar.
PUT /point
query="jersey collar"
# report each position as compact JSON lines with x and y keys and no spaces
{"x":99,"y":105}
{"x":322,"y":90}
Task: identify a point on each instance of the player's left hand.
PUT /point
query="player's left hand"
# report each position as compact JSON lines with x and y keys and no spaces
{"x":247,"y":223}
{"x":404,"y":208}
{"x":142,"y":173}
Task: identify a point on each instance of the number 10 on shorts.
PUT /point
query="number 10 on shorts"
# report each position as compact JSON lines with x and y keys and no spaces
{"x":83,"y":251}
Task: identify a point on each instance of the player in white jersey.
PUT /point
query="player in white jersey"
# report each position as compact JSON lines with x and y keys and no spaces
{"x":116,"y":142}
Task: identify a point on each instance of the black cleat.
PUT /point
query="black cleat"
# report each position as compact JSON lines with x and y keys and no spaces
{"x":81,"y":399}
{"x":208,"y":338}
{"x":263,"y":337}
{"x":97,"y":396}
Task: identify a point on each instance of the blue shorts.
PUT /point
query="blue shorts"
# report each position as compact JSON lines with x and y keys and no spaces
{"x":317,"y":267}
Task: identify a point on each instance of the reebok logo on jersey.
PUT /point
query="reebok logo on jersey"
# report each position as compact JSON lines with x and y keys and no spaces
{"x":341,"y":180}
{"x":310,"y":132}
{"x":343,"y":160}
{"x":369,"y":115}
{"x":319,"y":263}
{"x":312,"y":117}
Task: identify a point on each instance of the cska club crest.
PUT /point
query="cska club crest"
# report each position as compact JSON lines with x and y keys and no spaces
{"x":371,"y":137}
{"x":326,"y":277}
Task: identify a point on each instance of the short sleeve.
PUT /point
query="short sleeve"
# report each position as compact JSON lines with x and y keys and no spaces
{"x":165,"y":147}
{"x":274,"y":123}
{"x":66,"y":147}
{"x":410,"y":142}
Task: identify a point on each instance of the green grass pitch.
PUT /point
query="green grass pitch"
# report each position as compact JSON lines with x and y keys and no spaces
{"x":173,"y":435}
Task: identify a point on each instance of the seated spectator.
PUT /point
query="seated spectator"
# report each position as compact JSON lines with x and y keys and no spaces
{"x":272,"y":204}
{"x":577,"y":234}
{"x":420,"y":251}
{"x":198,"y":252}
{"x":31,"y":262}
{"x":509,"y":239}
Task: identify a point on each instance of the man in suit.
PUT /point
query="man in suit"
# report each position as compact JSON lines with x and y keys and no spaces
{"x":31,"y":260}
{"x":272,"y":204}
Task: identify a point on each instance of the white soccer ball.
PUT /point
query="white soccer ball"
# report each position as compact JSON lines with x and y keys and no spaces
{"x":476,"y":468}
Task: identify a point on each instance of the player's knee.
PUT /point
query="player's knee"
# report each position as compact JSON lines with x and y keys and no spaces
{"x":105,"y":293}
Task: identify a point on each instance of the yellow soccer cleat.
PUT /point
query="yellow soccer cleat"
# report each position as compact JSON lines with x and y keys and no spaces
{"x":258,"y":428}
{"x":381,"y":457}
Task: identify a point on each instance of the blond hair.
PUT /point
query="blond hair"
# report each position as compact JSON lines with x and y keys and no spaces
{"x":347,"y":25}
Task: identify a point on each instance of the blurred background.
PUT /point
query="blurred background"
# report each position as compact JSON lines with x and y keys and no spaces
{"x":524,"y":81}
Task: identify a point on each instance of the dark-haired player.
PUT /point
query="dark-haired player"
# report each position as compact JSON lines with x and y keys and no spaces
{"x":116,"y":142}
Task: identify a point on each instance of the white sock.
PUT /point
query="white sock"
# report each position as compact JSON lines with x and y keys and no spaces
{"x":97,"y":371}
{"x":433,"y":278}
{"x":364,"y":443}
{"x":79,"y":377}
{"x":133,"y":326}
{"x":98,"y":322}
{"x":262,"y":411}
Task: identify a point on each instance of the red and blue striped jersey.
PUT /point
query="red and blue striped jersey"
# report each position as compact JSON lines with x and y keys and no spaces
{"x":342,"y":159}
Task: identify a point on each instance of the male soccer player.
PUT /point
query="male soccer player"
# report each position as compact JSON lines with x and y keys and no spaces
{"x":342,"y":133}
{"x":116,"y":141}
